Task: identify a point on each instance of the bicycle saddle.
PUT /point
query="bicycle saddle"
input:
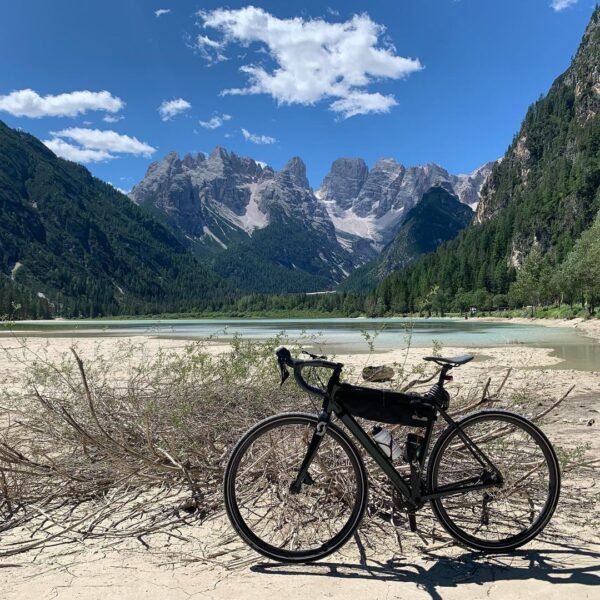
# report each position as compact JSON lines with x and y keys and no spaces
{"x":454,"y":361}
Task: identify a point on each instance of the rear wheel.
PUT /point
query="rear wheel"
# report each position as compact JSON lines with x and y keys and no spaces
{"x":287,"y":526}
{"x":510,"y":515}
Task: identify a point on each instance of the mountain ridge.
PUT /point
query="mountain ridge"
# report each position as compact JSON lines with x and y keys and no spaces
{"x":227,"y":206}
{"x":71,"y":244}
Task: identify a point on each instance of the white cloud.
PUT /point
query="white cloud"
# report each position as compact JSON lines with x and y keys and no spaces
{"x":28,"y":103}
{"x":210,"y":50}
{"x":109,"y":119}
{"x":95,"y":145}
{"x":257,"y":139}
{"x":77,"y":153}
{"x":559,"y":5}
{"x":215,"y":122}
{"x":170,"y":108}
{"x":111,"y":141}
{"x":162,"y":11}
{"x":314,"y":59}
{"x":361,"y":103}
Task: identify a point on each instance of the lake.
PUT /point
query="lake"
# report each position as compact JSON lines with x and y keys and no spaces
{"x":346,"y":335}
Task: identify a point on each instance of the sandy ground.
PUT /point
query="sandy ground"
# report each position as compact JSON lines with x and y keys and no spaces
{"x":211,"y":563}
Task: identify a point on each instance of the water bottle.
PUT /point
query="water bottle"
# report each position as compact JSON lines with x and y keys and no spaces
{"x":386,"y":442}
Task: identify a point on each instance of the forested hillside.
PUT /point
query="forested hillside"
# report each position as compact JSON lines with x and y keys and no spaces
{"x":72,"y":245}
{"x":542,"y":196}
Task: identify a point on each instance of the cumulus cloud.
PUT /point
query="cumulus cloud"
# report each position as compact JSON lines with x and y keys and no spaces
{"x":162,"y":11}
{"x":77,"y":153}
{"x":111,"y":141}
{"x":257,"y":139}
{"x":170,"y":108}
{"x":215,"y":122}
{"x":313,"y":59}
{"x":560,"y":5}
{"x":28,"y":103}
{"x":361,"y":103}
{"x":95,"y":145}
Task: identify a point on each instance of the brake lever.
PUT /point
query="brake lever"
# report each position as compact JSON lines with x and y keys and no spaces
{"x":283,"y":371}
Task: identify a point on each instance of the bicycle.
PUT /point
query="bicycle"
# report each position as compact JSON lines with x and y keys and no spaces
{"x":296,"y":486}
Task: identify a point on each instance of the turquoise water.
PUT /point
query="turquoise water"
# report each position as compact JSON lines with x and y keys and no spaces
{"x":346,"y":335}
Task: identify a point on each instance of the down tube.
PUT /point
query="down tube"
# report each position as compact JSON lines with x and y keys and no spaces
{"x":378,"y":456}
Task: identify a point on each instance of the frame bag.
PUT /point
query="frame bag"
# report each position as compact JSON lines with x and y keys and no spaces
{"x":385,"y":406}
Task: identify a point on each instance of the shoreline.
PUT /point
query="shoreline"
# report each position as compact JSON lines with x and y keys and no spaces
{"x":588,"y":327}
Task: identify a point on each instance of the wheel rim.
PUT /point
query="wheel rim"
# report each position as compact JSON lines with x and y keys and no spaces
{"x":498,"y":516}
{"x":304,"y":524}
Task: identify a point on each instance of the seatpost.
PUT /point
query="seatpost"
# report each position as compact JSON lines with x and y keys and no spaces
{"x":444,"y":375}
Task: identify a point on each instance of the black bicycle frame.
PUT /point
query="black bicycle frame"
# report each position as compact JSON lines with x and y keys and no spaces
{"x":413,"y":498}
{"x":400,"y":483}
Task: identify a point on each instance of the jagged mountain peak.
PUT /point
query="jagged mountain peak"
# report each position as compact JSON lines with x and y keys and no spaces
{"x":232,"y":209}
{"x":388,"y":166}
{"x":223,"y":199}
{"x":295,"y":169}
{"x":348,"y":161}
{"x":373,"y":203}
{"x":219,"y":153}
{"x":344,"y":181}
{"x":191,"y":162}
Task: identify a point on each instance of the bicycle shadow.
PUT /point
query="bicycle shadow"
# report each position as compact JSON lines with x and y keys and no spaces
{"x":562,"y":565}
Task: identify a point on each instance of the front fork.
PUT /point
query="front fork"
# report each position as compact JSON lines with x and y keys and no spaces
{"x":303,"y":474}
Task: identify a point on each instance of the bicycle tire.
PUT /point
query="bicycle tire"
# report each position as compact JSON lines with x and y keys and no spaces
{"x":335,"y":445}
{"x":456,"y":525}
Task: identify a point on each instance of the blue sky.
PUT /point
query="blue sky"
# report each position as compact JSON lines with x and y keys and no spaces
{"x":444,"y":81}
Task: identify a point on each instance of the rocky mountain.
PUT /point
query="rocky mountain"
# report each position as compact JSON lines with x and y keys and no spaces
{"x":373,"y":204}
{"x":263,"y":230}
{"x":437,"y":218}
{"x":210,"y":199}
{"x":554,"y":139}
{"x":543,"y":194}
{"x":72,"y":245}
{"x":268,"y":231}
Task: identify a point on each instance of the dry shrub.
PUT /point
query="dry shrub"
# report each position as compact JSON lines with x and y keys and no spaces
{"x":135,"y":442}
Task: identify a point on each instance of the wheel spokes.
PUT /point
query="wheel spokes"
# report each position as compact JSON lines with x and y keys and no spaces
{"x":295,"y":521}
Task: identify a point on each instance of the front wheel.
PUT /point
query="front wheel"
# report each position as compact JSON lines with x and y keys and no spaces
{"x":282,"y":524}
{"x":501,"y":518}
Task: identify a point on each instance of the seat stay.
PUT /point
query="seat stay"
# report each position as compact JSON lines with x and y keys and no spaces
{"x":479,"y":455}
